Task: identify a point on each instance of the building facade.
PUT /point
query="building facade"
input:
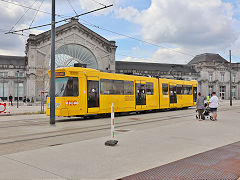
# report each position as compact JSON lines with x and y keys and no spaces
{"x":214,"y":75}
{"x":13,"y":77}
{"x":210,"y":70}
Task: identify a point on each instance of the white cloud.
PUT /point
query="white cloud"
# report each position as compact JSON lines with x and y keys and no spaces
{"x":163,"y":55}
{"x":11,"y":44}
{"x":188,"y":24}
{"x":171,"y":56}
{"x":128,"y":13}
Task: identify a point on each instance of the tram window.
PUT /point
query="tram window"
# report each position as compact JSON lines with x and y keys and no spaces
{"x":149,"y":88}
{"x":106,"y":86}
{"x":128,"y":88}
{"x":179,"y":89}
{"x":67,"y":86}
{"x":187,"y":89}
{"x":165,"y":89}
{"x":190,"y":89}
{"x":118,"y":87}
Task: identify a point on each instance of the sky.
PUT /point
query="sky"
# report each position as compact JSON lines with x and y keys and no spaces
{"x":159,"y":31}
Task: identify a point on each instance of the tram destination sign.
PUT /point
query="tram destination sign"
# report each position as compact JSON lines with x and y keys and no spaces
{"x":57,"y":74}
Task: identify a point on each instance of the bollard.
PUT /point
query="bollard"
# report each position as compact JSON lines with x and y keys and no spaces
{"x":112,"y":142}
{"x":112,"y":121}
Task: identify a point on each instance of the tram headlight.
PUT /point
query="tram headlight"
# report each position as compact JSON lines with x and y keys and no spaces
{"x":56,"y":105}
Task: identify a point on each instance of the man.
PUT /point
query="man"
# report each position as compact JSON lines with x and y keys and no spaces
{"x":213,"y":104}
{"x":10,"y":99}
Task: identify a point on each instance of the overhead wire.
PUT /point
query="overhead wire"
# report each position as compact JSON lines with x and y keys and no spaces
{"x":66,"y":19}
{"x":136,"y":57}
{"x":36,"y":13}
{"x":155,"y":60}
{"x":136,"y":39}
{"x":90,"y":24}
{"x":72,"y":7}
{"x":98,"y":3}
{"x":22,"y":16}
{"x":24,"y":6}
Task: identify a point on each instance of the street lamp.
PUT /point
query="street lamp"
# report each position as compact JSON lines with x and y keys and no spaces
{"x":230,"y":70}
{"x":17,"y":87}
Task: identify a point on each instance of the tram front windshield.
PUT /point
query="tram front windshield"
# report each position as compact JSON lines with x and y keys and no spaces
{"x":67,"y":86}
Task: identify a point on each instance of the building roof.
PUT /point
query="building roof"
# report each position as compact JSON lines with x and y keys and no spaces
{"x":123,"y":65}
{"x":207,"y":57}
{"x":72,"y":24}
{"x":12,"y":60}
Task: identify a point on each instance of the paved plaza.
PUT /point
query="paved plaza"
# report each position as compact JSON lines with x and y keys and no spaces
{"x":149,"y":141}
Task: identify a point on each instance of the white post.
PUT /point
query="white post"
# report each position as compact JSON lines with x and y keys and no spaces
{"x":8,"y":105}
{"x":112,"y":121}
{"x":112,"y":142}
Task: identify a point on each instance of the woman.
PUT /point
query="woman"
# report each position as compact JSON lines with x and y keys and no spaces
{"x":200,"y":106}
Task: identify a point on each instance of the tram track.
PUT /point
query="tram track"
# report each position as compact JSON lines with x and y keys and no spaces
{"x":34,"y":122}
{"x":72,"y":131}
{"x":30,"y":122}
{"x":105,"y":126}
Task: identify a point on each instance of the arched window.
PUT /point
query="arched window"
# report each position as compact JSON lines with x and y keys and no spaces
{"x":68,"y":55}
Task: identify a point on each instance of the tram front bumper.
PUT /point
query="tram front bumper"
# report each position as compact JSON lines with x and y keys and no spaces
{"x":58,"y":112}
{"x":60,"y":109}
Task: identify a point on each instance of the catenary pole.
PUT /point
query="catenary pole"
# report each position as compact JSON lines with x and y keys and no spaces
{"x":17,"y":87}
{"x":230,"y":72}
{"x":52,"y":80}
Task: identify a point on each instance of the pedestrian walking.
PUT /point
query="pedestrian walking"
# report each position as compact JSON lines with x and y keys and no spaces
{"x":213,"y":104}
{"x":10,"y":99}
{"x":200,"y":106}
{"x":24,"y":99}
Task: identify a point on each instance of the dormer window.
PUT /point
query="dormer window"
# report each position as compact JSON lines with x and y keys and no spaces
{"x":210,"y":77}
{"x":222,"y":77}
{"x":234,"y":78}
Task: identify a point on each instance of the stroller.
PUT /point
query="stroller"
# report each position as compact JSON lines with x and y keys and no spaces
{"x":206,"y":113}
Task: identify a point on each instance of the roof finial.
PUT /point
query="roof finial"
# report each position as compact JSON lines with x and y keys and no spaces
{"x":74,"y":19}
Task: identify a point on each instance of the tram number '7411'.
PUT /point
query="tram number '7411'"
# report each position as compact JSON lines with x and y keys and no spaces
{"x":72,"y":103}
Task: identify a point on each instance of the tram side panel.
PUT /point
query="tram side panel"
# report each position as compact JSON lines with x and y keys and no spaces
{"x":180,"y":101}
{"x":116,"y":89}
{"x":146,"y":93}
{"x":152,"y":94}
{"x":189,"y":91}
{"x":128,"y":93}
{"x":164,"y":93}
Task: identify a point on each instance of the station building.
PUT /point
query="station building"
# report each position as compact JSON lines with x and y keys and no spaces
{"x":75,"y":43}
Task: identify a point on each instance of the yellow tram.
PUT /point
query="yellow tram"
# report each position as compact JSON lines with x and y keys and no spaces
{"x":83,"y":91}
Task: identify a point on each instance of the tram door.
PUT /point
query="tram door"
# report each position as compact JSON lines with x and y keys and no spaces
{"x":140,"y":94}
{"x":173,"y":95}
{"x":92,"y":94}
{"x":194,"y":94}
